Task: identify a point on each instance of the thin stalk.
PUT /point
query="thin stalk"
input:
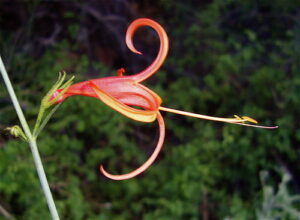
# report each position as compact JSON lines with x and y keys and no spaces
{"x":237,"y":120}
{"x":45,"y":121}
{"x":38,"y":121}
{"x":32,"y":143}
{"x":206,"y":117}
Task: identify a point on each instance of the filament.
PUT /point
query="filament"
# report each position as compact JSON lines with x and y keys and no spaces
{"x":236,"y":120}
{"x":206,"y":117}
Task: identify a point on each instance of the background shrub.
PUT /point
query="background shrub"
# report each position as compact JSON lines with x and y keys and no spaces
{"x":226,"y":57}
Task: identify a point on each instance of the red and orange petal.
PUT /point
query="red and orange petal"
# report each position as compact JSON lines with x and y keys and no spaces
{"x":119,"y":88}
{"x":163,"y":49}
{"x":130,"y":112}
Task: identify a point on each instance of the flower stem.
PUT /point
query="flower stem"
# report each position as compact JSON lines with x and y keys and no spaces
{"x":32,"y":143}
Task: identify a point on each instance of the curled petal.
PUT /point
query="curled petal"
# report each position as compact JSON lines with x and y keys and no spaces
{"x":163,"y":50}
{"x":150,"y":160}
{"x":135,"y":114}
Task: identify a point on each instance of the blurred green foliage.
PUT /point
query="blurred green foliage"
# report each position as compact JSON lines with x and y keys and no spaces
{"x":226,"y":57}
{"x":279,"y":205}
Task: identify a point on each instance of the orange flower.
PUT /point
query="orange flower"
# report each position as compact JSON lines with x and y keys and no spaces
{"x":121,"y":92}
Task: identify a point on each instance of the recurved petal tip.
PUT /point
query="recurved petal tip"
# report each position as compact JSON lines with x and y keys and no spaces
{"x":150,"y":160}
{"x":114,"y":177}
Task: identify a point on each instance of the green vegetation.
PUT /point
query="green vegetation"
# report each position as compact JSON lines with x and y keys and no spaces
{"x":226,"y":58}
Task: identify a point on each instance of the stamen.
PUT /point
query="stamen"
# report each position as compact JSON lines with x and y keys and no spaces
{"x":236,"y":120}
{"x":250,"y":119}
{"x":256,"y":126}
{"x":246,"y":118}
{"x":206,"y":117}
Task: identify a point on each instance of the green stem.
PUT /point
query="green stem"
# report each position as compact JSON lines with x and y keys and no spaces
{"x":37,"y":131}
{"x":38,"y":121}
{"x":32,"y":143}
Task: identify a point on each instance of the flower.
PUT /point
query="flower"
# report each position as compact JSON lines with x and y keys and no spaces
{"x":122,"y":92}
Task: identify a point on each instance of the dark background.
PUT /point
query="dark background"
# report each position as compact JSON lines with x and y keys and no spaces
{"x":226,"y":57}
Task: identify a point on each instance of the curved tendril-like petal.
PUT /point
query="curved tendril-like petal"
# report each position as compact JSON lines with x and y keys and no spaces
{"x":150,"y":160}
{"x":163,"y":49}
{"x":135,"y":114}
